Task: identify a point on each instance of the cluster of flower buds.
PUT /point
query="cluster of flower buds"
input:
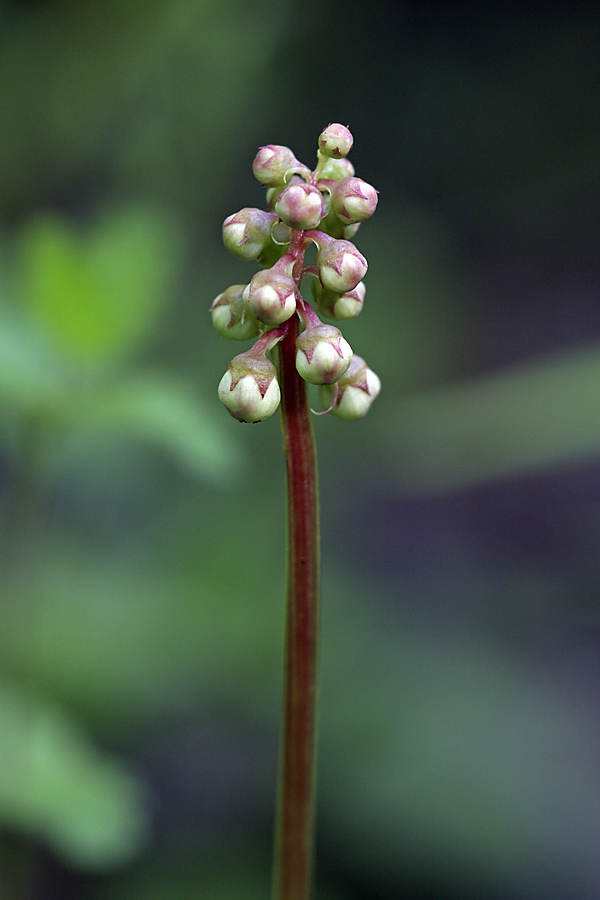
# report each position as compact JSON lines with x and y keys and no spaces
{"x":323,"y":207}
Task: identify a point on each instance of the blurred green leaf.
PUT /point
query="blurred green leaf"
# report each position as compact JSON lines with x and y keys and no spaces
{"x":535,"y":415}
{"x":97,"y":295}
{"x":166,"y":413}
{"x":56,"y":786}
{"x":30,"y":378}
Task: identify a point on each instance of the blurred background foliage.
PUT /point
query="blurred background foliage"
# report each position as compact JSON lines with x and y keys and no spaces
{"x":141,"y":528}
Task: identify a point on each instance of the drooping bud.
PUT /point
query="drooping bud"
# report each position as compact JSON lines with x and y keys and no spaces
{"x":272,"y":162}
{"x":342,"y":306}
{"x":357,"y":389}
{"x":300,"y":206}
{"x":353,"y":200}
{"x":230,"y":316}
{"x":271,"y":295}
{"x":335,"y":141}
{"x":247,"y":233}
{"x":335,"y":169}
{"x":322,"y":353}
{"x":249,"y":389}
{"x":339,"y":264}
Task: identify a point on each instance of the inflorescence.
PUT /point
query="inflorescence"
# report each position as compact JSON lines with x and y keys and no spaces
{"x":324,"y":207}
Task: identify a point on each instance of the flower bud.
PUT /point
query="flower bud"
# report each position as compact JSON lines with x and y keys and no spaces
{"x":350,"y":230}
{"x":322,"y":354}
{"x":271,"y":295}
{"x":340,"y":265}
{"x":249,"y":389}
{"x":353,"y":200}
{"x":334,"y":169}
{"x":300,"y":206}
{"x":342,"y":306}
{"x":272,"y":162}
{"x":230,"y":316}
{"x":335,"y":141}
{"x":356,"y":391}
{"x":247,"y":233}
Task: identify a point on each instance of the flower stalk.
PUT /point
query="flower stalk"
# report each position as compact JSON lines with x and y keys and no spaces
{"x":293,"y":863}
{"x":325,"y":207}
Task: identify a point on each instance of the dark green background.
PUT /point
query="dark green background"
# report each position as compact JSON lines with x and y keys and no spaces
{"x":142,"y":528}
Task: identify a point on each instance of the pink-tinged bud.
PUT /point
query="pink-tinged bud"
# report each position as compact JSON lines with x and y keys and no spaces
{"x":353,"y":200}
{"x":357,"y":390}
{"x":271,"y":295}
{"x":335,"y":169}
{"x":230,"y":316}
{"x":342,"y":306}
{"x":247,"y":233}
{"x":340,"y":265}
{"x":322,"y":354}
{"x":272,"y":162}
{"x":335,"y":141}
{"x":249,"y":389}
{"x":300,"y":206}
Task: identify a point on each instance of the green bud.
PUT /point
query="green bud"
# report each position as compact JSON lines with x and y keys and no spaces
{"x":353,"y":200}
{"x":271,"y":295}
{"x":335,"y":169}
{"x":249,"y":389}
{"x":339,"y":264}
{"x":322,"y":354}
{"x":335,"y":141}
{"x":300,"y":206}
{"x":230,"y":316}
{"x":247,"y":233}
{"x":340,"y":306}
{"x":357,"y":389}
{"x":272,"y":162}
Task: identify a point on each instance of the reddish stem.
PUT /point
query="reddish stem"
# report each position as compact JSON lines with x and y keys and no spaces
{"x":295,"y":813}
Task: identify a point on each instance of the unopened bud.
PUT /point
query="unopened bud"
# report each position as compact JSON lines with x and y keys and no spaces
{"x":247,"y":233}
{"x":353,"y":200}
{"x":230,"y":316}
{"x":357,"y":389}
{"x":335,"y":169}
{"x":300,"y":206}
{"x":350,"y":230}
{"x":322,"y":354}
{"x":335,"y":141}
{"x":272,"y":162}
{"x":342,"y":306}
{"x":249,"y":389}
{"x":271,"y":295}
{"x":339,"y":264}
